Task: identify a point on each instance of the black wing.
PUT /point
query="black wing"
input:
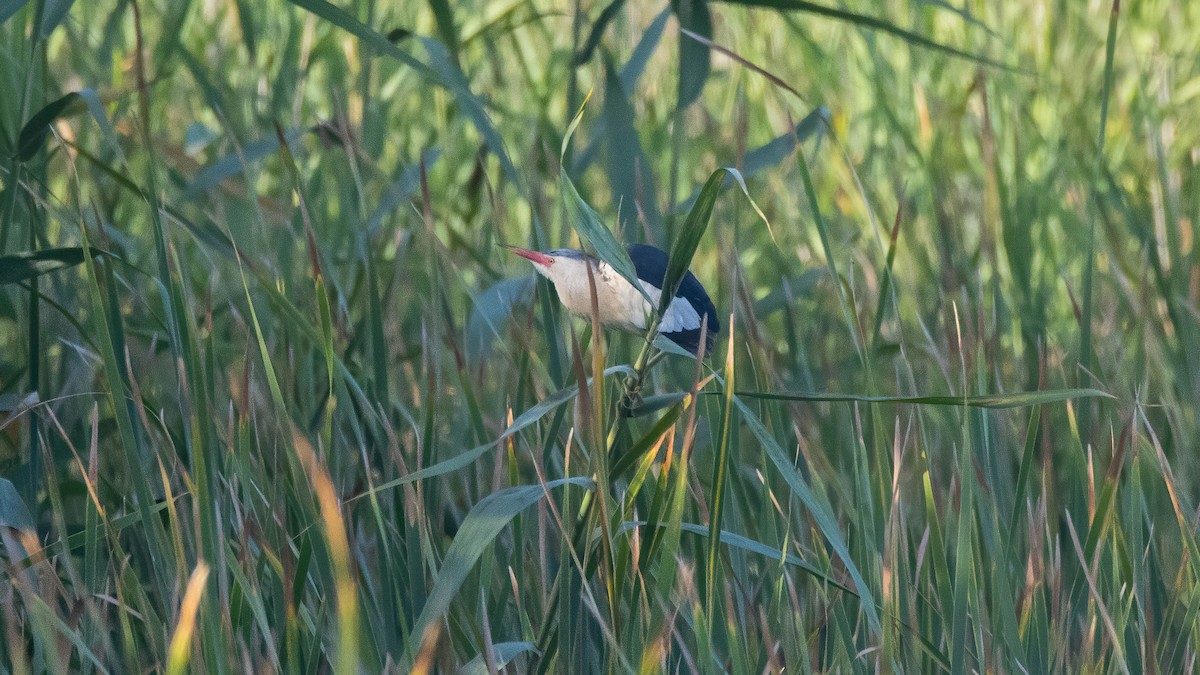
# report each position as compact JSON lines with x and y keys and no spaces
{"x":650,"y":263}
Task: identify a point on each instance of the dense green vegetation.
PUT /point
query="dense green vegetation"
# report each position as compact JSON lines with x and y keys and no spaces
{"x":272,"y":399}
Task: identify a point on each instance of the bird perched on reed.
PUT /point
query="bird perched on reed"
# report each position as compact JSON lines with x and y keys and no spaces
{"x":620,"y":305}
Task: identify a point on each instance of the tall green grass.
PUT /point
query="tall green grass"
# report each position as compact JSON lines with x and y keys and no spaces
{"x":272,"y":399}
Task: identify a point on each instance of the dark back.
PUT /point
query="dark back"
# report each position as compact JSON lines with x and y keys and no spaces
{"x":650,"y":262}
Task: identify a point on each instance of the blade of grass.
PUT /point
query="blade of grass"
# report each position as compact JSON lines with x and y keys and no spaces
{"x":610,"y":12}
{"x":442,"y":72}
{"x":591,"y":229}
{"x":630,"y":172}
{"x":586,"y":222}
{"x":334,"y":528}
{"x":1024,"y":472}
{"x":694,"y":17}
{"x":720,"y":475}
{"x":1015,"y":400}
{"x":871,"y":23}
{"x":1085,"y":319}
{"x":640,"y":57}
{"x":524,"y":420}
{"x":820,"y":511}
{"x":484,"y":522}
{"x":181,"y":639}
{"x":830,"y":259}
{"x":687,"y":240}
{"x":772,"y":153}
{"x":33,"y":134}
{"x":21,"y":267}
{"x":8,"y":8}
{"x":108,"y":327}
{"x":443,"y":14}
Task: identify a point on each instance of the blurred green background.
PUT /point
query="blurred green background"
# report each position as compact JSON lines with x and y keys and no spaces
{"x":272,"y":399}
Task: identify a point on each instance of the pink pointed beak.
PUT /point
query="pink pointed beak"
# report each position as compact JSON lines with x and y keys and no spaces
{"x":532,"y":256}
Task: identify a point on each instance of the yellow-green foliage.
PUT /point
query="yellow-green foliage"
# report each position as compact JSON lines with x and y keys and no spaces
{"x":272,"y":399}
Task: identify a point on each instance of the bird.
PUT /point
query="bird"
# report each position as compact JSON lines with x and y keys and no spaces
{"x":620,"y":305}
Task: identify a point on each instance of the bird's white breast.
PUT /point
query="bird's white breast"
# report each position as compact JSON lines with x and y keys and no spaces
{"x":618,"y":303}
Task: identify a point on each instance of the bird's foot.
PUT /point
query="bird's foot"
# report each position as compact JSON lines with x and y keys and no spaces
{"x":630,"y":401}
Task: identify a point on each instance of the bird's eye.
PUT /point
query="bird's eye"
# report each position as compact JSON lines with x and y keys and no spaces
{"x":551,"y":262}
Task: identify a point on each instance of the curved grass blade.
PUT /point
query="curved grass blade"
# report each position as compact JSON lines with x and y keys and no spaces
{"x":662,"y":344}
{"x":630,"y":172}
{"x":1017,"y":400}
{"x":593,"y":39}
{"x":20,"y":267}
{"x":10,"y":7}
{"x":740,"y":541}
{"x":773,"y":78}
{"x":628,"y":458}
{"x":688,"y":238}
{"x":586,"y":222}
{"x":443,"y":72}
{"x":53,"y":12}
{"x":526,"y":418}
{"x":491,"y":310}
{"x":872,"y":23}
{"x":181,"y":639}
{"x":592,"y":230}
{"x":747,"y":544}
{"x":450,"y":76}
{"x":34,"y":132}
{"x":656,"y":402}
{"x":96,"y":107}
{"x":819,"y":510}
{"x":720,"y":475}
{"x":484,"y":522}
{"x":644,"y":50}
{"x":773,"y":152}
{"x":502,"y":653}
{"x":694,"y":59}
{"x":42,"y":613}
{"x":400,"y":190}
{"x":566,"y":141}
{"x":1086,"y":359}
{"x":13,"y":512}
{"x":235,"y":163}
{"x":694,"y":227}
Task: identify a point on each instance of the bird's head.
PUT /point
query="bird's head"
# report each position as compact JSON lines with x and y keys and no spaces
{"x":554,"y":265}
